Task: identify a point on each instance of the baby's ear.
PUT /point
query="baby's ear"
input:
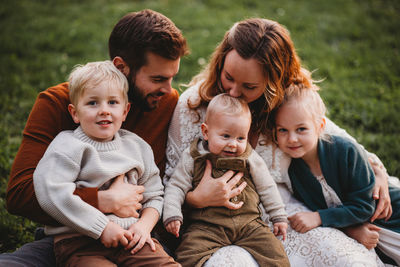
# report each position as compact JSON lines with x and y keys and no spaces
{"x":204,"y":131}
{"x":73,"y":112}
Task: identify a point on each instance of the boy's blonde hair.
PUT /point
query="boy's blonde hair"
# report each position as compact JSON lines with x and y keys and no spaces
{"x":93,"y":74}
{"x":226,"y":104}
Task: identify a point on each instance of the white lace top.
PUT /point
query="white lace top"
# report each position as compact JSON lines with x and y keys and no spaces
{"x":322,"y":246}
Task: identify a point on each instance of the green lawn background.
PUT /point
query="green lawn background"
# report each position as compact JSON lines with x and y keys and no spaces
{"x":353,"y":45}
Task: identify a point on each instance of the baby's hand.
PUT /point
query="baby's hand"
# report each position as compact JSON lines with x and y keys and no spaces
{"x":173,"y":227}
{"x":280,"y":229}
{"x":141,"y":235}
{"x":114,"y":234}
{"x":305,"y":221}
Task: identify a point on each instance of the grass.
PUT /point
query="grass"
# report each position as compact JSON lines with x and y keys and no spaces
{"x":353,"y":45}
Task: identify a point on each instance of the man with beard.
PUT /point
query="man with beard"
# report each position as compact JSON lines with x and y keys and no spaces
{"x":146,"y":47}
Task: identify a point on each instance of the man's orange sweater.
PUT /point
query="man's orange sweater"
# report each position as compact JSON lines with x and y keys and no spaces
{"x":48,"y":117}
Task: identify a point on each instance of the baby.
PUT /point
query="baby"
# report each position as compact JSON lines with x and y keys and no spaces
{"x":225,"y":145}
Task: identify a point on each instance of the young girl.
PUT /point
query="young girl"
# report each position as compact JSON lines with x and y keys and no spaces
{"x":330,"y":174}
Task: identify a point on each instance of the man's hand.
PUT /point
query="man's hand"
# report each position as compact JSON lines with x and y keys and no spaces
{"x":122,"y":199}
{"x":216,"y":192}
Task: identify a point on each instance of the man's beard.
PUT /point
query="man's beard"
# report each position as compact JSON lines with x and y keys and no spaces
{"x":136,"y":96}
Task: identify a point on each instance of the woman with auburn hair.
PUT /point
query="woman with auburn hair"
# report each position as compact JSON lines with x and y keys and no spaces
{"x":256,"y":61}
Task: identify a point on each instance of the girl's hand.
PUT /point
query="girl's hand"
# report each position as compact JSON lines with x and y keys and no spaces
{"x":367,"y":234}
{"x":121,"y":199}
{"x":381,"y":193}
{"x":217,"y":192}
{"x":303,"y":222}
{"x":113,"y":235}
{"x":280,"y":228}
{"x":173,"y":227}
{"x":141,"y":235}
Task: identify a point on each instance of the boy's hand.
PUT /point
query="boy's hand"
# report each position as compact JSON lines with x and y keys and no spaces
{"x":280,"y":229}
{"x":173,"y":227}
{"x":141,"y":235}
{"x":305,"y":221}
{"x":114,"y":234}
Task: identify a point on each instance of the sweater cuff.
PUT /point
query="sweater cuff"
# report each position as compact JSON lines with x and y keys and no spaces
{"x":280,"y":219}
{"x":89,"y":195}
{"x":174,"y":218}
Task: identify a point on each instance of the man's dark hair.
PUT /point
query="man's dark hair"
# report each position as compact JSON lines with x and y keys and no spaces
{"x":146,"y":31}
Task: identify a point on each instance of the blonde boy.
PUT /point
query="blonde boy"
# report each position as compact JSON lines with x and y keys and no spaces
{"x":225,"y":145}
{"x":93,"y":155}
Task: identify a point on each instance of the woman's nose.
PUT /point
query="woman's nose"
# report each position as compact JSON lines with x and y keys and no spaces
{"x":235,"y":91}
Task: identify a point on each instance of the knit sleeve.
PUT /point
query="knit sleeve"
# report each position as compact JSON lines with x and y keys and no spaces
{"x":177,"y":187}
{"x":356,"y":184}
{"x":150,"y":179}
{"x":332,"y":129}
{"x":54,"y":183}
{"x":266,"y":188}
{"x":48,"y":117}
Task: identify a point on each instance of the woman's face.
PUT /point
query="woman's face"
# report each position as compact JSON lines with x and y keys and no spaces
{"x":242,"y":77}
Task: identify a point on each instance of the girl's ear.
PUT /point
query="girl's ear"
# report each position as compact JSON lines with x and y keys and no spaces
{"x":204,"y":131}
{"x":127,"y":108}
{"x":121,"y":65}
{"x":322,"y":125}
{"x":73,"y":112}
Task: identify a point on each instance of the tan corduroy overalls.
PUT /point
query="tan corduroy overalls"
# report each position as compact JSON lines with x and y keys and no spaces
{"x":214,"y":227}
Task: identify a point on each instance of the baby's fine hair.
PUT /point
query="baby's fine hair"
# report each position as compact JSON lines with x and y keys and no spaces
{"x":92,"y":74}
{"x":226,"y":104}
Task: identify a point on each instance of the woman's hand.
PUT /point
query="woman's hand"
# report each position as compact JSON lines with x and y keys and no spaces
{"x":381,"y":193}
{"x":122,"y":199}
{"x":367,"y":234}
{"x":217,"y":192}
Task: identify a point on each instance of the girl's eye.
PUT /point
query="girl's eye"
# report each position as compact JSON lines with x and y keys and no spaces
{"x":302,"y":129}
{"x":281,"y":130}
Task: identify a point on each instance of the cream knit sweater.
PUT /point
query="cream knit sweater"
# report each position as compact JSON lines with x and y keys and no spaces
{"x":74,"y":160}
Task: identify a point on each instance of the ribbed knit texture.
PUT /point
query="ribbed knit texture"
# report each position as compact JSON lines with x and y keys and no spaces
{"x":75,"y":160}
